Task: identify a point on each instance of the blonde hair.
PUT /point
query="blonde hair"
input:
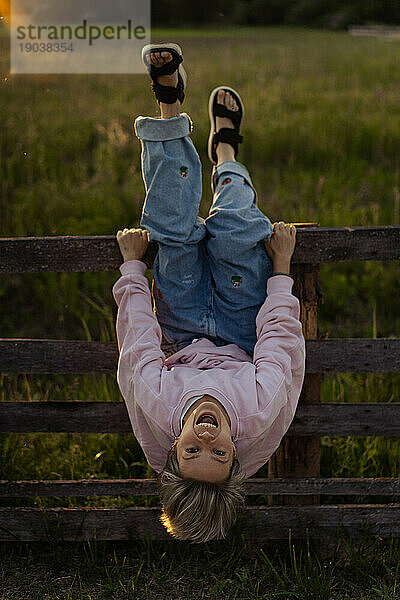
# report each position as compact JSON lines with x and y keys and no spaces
{"x":195,"y":510}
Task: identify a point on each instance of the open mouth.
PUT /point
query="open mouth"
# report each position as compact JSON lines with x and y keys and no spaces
{"x":207,"y":419}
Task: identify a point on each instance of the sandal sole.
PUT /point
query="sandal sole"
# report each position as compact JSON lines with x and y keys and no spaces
{"x":211,"y":115}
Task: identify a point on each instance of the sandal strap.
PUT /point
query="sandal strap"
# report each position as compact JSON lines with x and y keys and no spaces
{"x":222,"y":111}
{"x":169,"y":94}
{"x":228,"y":136}
{"x":167,"y":68}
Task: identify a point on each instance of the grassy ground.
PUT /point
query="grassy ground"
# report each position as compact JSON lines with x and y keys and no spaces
{"x":322,"y":143}
{"x":357,"y":570}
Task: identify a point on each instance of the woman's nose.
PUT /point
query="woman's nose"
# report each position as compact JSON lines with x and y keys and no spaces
{"x":206,"y":435}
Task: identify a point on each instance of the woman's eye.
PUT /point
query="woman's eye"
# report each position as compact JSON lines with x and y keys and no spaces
{"x":194,"y":450}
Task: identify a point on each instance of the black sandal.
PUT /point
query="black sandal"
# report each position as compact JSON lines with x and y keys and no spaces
{"x":166,"y":93}
{"x":225,"y":134}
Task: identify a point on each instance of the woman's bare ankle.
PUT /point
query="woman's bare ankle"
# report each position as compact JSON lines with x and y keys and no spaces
{"x":168,"y":111}
{"x":225,"y":153}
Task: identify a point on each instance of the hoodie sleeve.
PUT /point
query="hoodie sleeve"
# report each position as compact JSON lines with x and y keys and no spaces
{"x":279,"y":355}
{"x":138,"y":332}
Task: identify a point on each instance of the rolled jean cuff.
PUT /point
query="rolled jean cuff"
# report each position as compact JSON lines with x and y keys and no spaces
{"x":229,"y":166}
{"x":161,"y":130}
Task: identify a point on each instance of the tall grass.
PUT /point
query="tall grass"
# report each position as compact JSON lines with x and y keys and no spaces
{"x":233,"y":569}
{"x":322,"y":143}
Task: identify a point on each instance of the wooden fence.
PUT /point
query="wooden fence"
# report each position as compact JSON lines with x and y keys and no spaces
{"x":385,"y":31}
{"x":293,"y":486}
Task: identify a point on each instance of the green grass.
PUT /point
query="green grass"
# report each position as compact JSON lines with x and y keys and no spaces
{"x":231,"y":569}
{"x":322,"y":143}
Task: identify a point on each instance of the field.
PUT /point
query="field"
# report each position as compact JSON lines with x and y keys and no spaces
{"x":322,"y":143}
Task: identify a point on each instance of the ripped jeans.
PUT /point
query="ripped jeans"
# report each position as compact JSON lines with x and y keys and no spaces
{"x":209,"y":275}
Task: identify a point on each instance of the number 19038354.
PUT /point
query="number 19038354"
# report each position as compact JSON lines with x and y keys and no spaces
{"x":46,"y":47}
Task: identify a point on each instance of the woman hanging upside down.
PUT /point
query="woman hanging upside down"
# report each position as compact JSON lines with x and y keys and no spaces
{"x":212,"y":377}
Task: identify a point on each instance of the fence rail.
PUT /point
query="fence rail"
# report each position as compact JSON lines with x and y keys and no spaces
{"x":112,"y":417}
{"x":346,"y":355}
{"x":386,"y":31}
{"x":381,"y":486}
{"x":259,"y":523}
{"x":101,"y":253}
{"x":293,"y":486}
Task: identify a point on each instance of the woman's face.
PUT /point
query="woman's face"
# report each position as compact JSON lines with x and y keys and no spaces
{"x":205,"y":451}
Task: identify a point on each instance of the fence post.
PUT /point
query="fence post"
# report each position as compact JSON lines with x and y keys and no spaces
{"x":300,"y":456}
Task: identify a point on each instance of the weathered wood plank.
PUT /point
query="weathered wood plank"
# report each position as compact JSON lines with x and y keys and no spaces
{"x":112,"y":417}
{"x":336,"y":355}
{"x":380,"y":486}
{"x":57,"y":356}
{"x":101,"y":253}
{"x":353,"y":355}
{"x":64,"y":417}
{"x":375,"y":31}
{"x":299,"y":456}
{"x":255,"y":523}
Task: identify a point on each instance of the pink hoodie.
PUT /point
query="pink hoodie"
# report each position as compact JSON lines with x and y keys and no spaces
{"x":259,"y":395}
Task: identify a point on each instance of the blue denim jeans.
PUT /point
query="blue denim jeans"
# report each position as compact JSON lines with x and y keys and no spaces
{"x":209,"y":275}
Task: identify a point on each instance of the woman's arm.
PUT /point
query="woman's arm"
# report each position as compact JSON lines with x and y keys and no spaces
{"x":279,"y":354}
{"x":138,"y":331}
